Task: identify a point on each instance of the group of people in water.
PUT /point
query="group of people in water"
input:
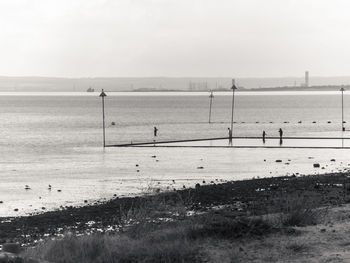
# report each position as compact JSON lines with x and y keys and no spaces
{"x":280,"y":131}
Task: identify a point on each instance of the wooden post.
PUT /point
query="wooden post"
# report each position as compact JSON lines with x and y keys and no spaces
{"x":103,"y":95}
{"x":233,"y":104}
{"x":342,"y":109}
{"x":211,"y":96}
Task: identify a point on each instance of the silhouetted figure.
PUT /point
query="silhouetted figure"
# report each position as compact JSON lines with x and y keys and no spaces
{"x":281,"y":136}
{"x":281,"y":133}
{"x":263,"y":136}
{"x":229,"y":136}
{"x":155,"y":131}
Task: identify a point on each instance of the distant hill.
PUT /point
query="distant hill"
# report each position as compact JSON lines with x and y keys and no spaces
{"x":312,"y":88}
{"x":164,"y":83}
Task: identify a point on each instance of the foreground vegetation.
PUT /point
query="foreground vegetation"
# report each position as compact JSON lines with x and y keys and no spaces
{"x":217,"y":235}
{"x":290,"y":219}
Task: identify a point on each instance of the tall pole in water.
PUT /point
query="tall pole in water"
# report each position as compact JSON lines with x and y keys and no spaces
{"x":103,"y":95}
{"x":233,"y":104}
{"x":342,"y":109}
{"x":211,"y":96}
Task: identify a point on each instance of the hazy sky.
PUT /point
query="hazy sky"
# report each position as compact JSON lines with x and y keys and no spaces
{"x":208,"y":38}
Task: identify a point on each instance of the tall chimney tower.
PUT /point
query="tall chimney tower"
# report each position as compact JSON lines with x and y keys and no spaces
{"x":306,"y":79}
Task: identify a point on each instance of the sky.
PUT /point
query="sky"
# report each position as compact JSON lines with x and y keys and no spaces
{"x":174,"y":38}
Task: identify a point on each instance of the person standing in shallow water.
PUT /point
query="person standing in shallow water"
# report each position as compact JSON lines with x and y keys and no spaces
{"x":281,"y":136}
{"x":229,"y":136}
{"x":155,"y":131}
{"x":281,"y":133}
{"x":263,"y":136}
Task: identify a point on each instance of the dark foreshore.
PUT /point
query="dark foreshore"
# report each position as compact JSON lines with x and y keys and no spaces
{"x":247,"y":197}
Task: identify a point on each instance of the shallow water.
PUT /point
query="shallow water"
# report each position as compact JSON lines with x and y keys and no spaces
{"x":56,"y":139}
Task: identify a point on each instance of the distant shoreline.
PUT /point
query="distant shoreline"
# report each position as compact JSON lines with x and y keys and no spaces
{"x":150,"y":90}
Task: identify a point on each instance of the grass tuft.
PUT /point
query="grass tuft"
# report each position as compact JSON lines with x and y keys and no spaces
{"x":297,"y":247}
{"x":112,"y":249}
{"x":301,"y":212}
{"x":228,"y":228}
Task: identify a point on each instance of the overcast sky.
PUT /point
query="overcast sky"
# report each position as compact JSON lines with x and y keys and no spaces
{"x":203,"y":38}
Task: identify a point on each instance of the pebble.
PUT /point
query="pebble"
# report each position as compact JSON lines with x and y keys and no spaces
{"x":316,"y":165}
{"x":1,"y":202}
{"x":332,"y":160}
{"x":59,"y":190}
{"x":200,"y":167}
{"x":278,"y":161}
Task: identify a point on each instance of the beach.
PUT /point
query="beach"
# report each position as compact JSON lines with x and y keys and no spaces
{"x":239,"y":199}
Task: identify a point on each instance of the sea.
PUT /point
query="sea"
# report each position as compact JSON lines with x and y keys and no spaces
{"x":52,"y":153}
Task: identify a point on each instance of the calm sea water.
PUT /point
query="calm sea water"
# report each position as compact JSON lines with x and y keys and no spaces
{"x":56,"y":139}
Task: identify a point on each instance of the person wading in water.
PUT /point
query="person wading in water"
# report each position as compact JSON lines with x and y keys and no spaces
{"x":281,"y":136}
{"x":263,"y":136}
{"x":229,"y":136}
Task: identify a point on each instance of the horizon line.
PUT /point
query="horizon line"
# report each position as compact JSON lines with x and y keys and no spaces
{"x":167,"y":77}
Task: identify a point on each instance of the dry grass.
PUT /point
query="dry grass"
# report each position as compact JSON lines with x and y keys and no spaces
{"x":159,"y":230}
{"x":116,"y":248}
{"x":301,"y":212}
{"x":177,"y":241}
